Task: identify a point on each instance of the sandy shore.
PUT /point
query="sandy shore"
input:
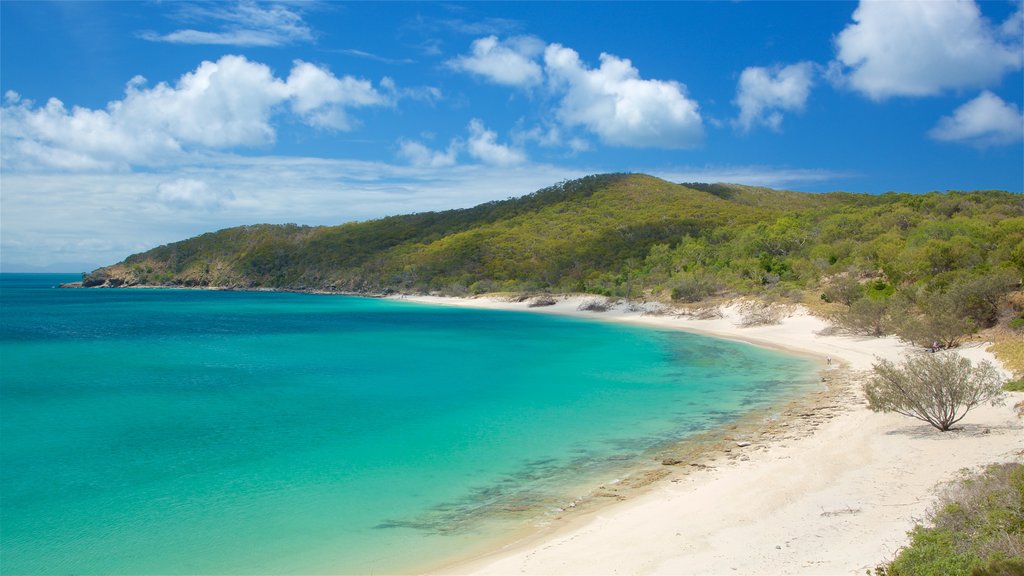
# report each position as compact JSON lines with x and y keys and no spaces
{"x":830,"y":488}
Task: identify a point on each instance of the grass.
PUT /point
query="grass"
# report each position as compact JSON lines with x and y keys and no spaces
{"x":1008,"y":346}
{"x":975,"y":529}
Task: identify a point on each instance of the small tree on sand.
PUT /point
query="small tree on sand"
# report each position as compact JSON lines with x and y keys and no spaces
{"x":937,"y":388}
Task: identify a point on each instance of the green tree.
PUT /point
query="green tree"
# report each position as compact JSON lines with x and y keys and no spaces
{"x":867,"y":316}
{"x":939,"y":388}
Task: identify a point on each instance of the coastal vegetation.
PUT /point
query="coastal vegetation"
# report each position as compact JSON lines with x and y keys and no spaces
{"x":932,"y":268}
{"x":976,"y":528}
{"x":937,"y":388}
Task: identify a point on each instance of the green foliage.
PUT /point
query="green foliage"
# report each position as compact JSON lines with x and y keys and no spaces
{"x":845,"y":289}
{"x":1014,"y":385}
{"x":939,"y":388}
{"x":691,"y":287}
{"x":933,"y":319}
{"x":634,"y":236}
{"x":867,"y":317}
{"x":977,"y":528}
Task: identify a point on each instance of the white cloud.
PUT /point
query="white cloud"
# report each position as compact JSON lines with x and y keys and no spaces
{"x":483,"y":145}
{"x":222,"y":104}
{"x":192,"y":193}
{"x":245,"y":23}
{"x":321,"y":97}
{"x":762,"y":94}
{"x":546,"y":136}
{"x":510,"y":62}
{"x":1013,"y":27}
{"x":985,"y":121}
{"x":923,"y":48}
{"x":623,"y":109}
{"x":771,"y":176}
{"x":421,"y":156}
{"x":84,"y":220}
{"x":578,"y":145}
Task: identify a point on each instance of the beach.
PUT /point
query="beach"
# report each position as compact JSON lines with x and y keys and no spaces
{"x":828,"y":487}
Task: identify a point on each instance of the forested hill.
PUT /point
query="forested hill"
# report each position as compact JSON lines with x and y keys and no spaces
{"x":617,"y":234}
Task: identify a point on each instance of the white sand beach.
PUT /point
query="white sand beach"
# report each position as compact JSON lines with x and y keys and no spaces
{"x":832,"y":488}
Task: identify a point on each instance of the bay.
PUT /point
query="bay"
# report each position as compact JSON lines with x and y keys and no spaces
{"x":180,"y":431}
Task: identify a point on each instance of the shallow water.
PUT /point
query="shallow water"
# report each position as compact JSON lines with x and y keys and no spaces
{"x":157,"y":431}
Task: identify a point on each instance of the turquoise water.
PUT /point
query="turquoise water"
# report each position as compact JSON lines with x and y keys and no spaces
{"x":162,"y":431}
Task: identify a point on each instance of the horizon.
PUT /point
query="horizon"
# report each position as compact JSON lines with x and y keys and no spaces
{"x":132,"y":125}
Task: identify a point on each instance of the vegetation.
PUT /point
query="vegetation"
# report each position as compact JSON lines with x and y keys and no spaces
{"x":930,"y":267}
{"x":939,"y":389}
{"x":976,"y":529}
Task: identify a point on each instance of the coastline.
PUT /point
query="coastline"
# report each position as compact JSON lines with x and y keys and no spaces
{"x":828,"y":487}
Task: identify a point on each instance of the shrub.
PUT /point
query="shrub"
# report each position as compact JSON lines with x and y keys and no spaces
{"x":977,"y":528}
{"x":867,"y":316}
{"x":706,"y":313}
{"x":844,"y":289}
{"x":594,"y":306}
{"x":937,"y":321}
{"x":754,"y":314}
{"x":542,"y":301}
{"x":694,"y":287}
{"x":937,"y":388}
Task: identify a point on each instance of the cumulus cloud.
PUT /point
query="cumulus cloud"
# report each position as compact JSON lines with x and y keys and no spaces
{"x":321,"y":97}
{"x":191,"y":193}
{"x":511,"y":62}
{"x":80,"y":221}
{"x":615,"y":103}
{"x":762,"y":94}
{"x":985,"y":121}
{"x":421,"y":156}
{"x":550,"y":136}
{"x":483,"y":145}
{"x":244,"y":23}
{"x":222,"y":104}
{"x":923,"y":48}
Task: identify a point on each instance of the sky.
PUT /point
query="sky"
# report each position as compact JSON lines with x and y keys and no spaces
{"x":127,"y":125}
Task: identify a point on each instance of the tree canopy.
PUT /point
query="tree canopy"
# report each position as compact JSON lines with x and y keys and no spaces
{"x":887,"y":257}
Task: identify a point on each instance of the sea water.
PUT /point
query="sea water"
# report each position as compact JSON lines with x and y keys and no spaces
{"x":177,"y":431}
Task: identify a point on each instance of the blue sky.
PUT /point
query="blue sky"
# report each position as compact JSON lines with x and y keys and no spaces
{"x":130,"y":125}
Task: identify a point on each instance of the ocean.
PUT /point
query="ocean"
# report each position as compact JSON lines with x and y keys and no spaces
{"x":206,"y":432}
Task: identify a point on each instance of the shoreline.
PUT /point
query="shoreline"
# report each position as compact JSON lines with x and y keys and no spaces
{"x":827,"y":488}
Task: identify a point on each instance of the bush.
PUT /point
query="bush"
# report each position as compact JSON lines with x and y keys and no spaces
{"x":594,"y":306}
{"x":938,"y":320}
{"x":867,"y":316}
{"x":977,"y":528}
{"x":694,"y":288}
{"x":978,"y":298}
{"x":937,"y":388}
{"x":705,"y":313}
{"x":542,"y":301}
{"x":844,"y":289}
{"x":755,"y":314}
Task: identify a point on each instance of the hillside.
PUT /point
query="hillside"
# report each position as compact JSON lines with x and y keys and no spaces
{"x":616,"y":234}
